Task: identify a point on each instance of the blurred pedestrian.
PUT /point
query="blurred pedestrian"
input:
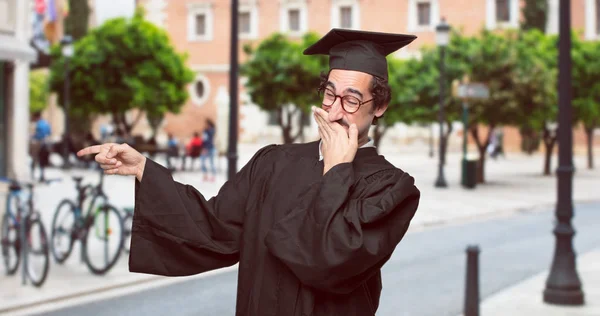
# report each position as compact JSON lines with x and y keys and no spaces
{"x":310,"y":225}
{"x":496,"y":143}
{"x":208,"y":151}
{"x":39,"y":145}
{"x":172,"y":150}
{"x":193,"y":149}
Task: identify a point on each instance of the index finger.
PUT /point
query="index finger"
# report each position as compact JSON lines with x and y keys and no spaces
{"x":322,"y":113}
{"x":90,"y":150}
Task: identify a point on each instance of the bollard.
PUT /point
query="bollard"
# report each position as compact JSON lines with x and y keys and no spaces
{"x":472,"y":283}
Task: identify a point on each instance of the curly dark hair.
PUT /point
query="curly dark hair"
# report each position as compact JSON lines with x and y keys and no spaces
{"x":380,"y":89}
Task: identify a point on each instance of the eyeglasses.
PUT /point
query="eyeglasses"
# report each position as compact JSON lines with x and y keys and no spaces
{"x":350,"y":103}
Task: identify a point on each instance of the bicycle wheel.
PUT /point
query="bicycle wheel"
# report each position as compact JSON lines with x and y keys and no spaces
{"x":104,"y":238}
{"x":37,"y":252}
{"x":127,"y":223}
{"x":11,"y":252}
{"x":63,"y":231}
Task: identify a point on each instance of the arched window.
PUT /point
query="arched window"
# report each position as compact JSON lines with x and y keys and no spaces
{"x":199,"y":90}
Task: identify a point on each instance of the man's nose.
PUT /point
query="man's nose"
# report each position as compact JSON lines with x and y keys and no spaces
{"x":336,"y":111}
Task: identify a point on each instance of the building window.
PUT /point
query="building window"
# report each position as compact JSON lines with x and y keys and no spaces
{"x":244,"y":23}
{"x":502,"y":11}
{"x":346,"y":17}
{"x":248,"y":20}
{"x":293,"y":17}
{"x":199,"y":90}
{"x":345,"y":14}
{"x":502,"y":14}
{"x":424,"y":11}
{"x":294,"y":20}
{"x":200,"y":22}
{"x":423,"y":15}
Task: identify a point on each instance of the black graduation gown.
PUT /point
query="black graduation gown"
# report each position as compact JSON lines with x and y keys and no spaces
{"x":306,"y":243}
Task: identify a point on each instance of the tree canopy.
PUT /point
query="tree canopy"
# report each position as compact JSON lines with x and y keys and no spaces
{"x":125,"y":63}
{"x":38,"y":90}
{"x":283,"y":80}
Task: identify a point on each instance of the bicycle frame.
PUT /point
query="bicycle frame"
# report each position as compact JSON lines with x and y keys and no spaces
{"x":86,"y":216}
{"x":20,"y":222}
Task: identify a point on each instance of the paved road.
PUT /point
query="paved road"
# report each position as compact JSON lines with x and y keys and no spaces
{"x":424,"y":277}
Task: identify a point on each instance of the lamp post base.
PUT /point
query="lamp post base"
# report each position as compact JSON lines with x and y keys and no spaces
{"x":564,"y":296}
{"x":441,"y":182}
{"x":563,"y":286}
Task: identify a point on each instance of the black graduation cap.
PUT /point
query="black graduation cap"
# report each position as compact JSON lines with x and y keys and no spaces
{"x":363,"y":51}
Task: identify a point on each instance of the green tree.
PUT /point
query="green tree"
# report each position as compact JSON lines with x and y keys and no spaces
{"x":456,"y":65}
{"x":283,"y":80}
{"x":586,"y":89}
{"x":76,"y":23}
{"x":38,"y":90}
{"x":535,"y":88}
{"x":126,"y":63}
{"x":491,"y":59}
{"x":415,"y":87}
{"x":535,"y":14}
{"x":404,"y":80}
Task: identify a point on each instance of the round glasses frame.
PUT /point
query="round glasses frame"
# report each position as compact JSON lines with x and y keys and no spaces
{"x":322,"y":91}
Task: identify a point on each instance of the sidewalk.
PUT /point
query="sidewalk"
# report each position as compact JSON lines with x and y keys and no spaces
{"x":526,"y":298}
{"x":513,"y":185}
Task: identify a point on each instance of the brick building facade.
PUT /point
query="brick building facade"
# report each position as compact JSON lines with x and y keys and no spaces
{"x":202,"y":27}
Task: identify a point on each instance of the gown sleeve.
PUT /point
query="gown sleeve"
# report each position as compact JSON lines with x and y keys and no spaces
{"x":176,"y":231}
{"x":333,"y":243}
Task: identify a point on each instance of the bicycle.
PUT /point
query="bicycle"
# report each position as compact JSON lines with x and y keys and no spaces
{"x":98,"y":223}
{"x":20,"y":243}
{"x":127,"y":225}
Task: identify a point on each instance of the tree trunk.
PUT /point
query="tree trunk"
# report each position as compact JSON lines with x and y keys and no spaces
{"x":154,"y":122}
{"x":129,"y":126}
{"x":589,"y":132}
{"x":481,"y":146}
{"x":549,"y":142}
{"x":529,"y":140}
{"x":286,"y":128}
{"x":380,"y":130}
{"x":301,"y":120}
{"x":120,"y":128}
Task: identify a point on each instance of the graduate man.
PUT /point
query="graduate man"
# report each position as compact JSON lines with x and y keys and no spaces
{"x":310,"y":224}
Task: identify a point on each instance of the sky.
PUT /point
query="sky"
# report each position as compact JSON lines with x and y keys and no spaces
{"x":108,"y":9}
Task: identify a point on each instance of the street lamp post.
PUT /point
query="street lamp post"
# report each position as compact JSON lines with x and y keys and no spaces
{"x":67,"y":52}
{"x":563,"y":285}
{"x":442,"y":39}
{"x":233,"y":93}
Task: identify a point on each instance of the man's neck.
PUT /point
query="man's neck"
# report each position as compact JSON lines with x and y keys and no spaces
{"x":363,"y":141}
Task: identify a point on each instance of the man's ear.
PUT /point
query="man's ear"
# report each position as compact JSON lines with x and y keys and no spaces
{"x":380,"y":110}
{"x":379,"y":113}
